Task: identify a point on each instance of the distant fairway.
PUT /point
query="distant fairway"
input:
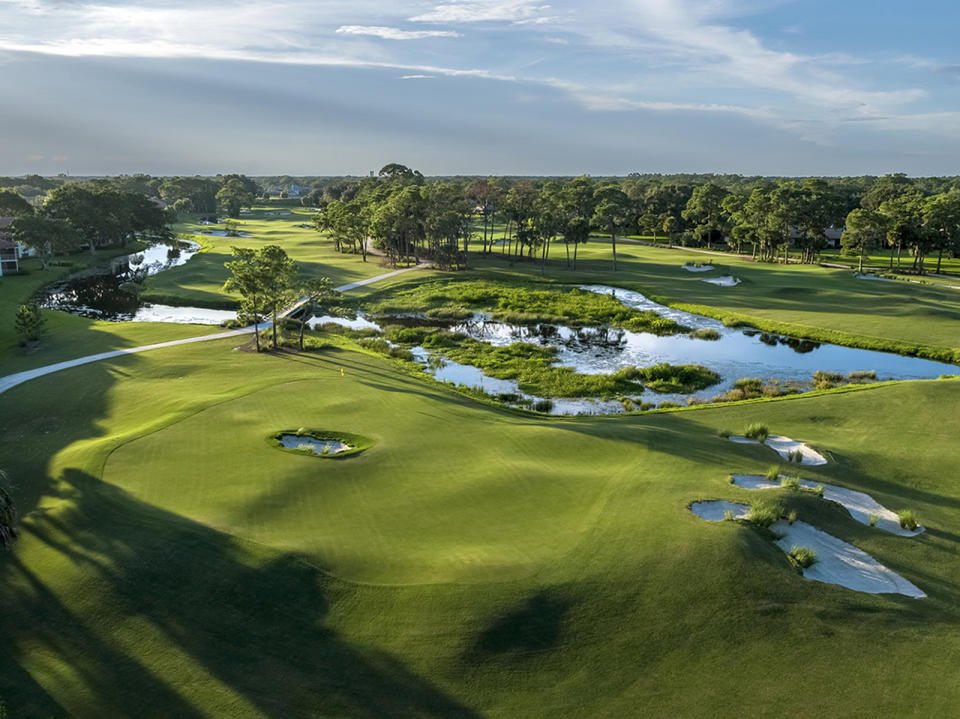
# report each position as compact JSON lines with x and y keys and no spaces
{"x":473,"y":561}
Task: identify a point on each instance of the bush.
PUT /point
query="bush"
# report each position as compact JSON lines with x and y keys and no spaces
{"x":826,"y":380}
{"x":667,"y":405}
{"x":29,"y":323}
{"x":677,"y":379}
{"x":757,"y":431}
{"x":765,"y":512}
{"x":627,"y":404}
{"x":803,"y":556}
{"x":705,"y":334}
{"x":908,"y":519}
{"x":861,"y":377}
{"x":791,"y":517}
{"x":725,"y":433}
{"x":749,"y":385}
{"x":543,"y":405}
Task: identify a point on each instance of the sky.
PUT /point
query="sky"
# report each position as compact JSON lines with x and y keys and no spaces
{"x":498,"y":87}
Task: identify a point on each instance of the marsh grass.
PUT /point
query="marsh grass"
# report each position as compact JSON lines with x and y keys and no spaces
{"x":803,"y":556}
{"x":826,"y":380}
{"x":764,"y":512}
{"x":728,"y":516}
{"x":757,"y":431}
{"x":772,"y":474}
{"x":706,"y":333}
{"x":725,"y":433}
{"x":873,"y":520}
{"x":791,"y":483}
{"x":791,"y":517}
{"x":908,"y":519}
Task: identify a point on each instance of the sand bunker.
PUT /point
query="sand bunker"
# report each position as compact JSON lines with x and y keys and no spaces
{"x":837,"y":562}
{"x":784,"y":446}
{"x":695,"y":268}
{"x":726,"y":281}
{"x":861,"y":506}
{"x":874,"y":277}
{"x":323,"y":447}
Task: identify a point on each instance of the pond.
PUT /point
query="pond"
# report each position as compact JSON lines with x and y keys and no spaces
{"x":736,"y":354}
{"x":110,"y":292}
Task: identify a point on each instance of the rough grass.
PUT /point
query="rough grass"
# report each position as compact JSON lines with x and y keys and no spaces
{"x":757,"y":431}
{"x":803,"y":556}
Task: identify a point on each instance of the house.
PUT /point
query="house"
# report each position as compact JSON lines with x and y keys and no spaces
{"x":294,"y":191}
{"x":831,"y":236}
{"x":9,"y":250}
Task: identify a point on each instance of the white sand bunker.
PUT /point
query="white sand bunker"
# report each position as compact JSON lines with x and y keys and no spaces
{"x":697,"y":268}
{"x":318,"y":446}
{"x":785,"y":447}
{"x":861,"y":506}
{"x":874,"y":277}
{"x":726,"y":281}
{"x":837,"y":562}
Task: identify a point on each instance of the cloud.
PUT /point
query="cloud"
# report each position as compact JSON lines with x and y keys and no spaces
{"x":416,"y":77}
{"x":392,"y":33}
{"x":482,"y":11}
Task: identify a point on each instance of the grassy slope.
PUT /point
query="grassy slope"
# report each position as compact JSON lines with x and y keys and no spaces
{"x":69,"y":336}
{"x":473,"y":560}
{"x":199,"y":282}
{"x":802,"y":299}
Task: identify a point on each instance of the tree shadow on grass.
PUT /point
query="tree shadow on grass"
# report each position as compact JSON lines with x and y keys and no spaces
{"x":536,"y":625}
{"x":253,"y":619}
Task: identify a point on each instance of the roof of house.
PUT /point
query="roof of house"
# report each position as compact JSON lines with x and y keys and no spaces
{"x":6,"y":244}
{"x":5,"y":222}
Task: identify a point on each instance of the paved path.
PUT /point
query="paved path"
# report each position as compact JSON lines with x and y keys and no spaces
{"x":13,"y":380}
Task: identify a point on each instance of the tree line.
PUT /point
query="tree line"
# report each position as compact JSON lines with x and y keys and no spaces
{"x":408,"y":217}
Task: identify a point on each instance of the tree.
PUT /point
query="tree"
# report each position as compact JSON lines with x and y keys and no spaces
{"x":577,"y":232}
{"x":29,"y":323}
{"x":941,"y":216}
{"x":12,"y":205}
{"x":611,"y":213}
{"x":49,"y":237}
{"x":8,"y":515}
{"x":315,"y":291}
{"x":247,"y":279}
{"x":865,"y":231}
{"x":904,"y":215}
{"x":276,"y":272}
{"x":705,"y":211}
{"x":233,"y":196}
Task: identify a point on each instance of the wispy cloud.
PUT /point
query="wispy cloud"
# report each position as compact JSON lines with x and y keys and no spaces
{"x":482,"y":11}
{"x":392,"y":33}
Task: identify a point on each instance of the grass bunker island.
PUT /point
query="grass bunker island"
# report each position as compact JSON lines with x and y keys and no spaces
{"x":320,"y":443}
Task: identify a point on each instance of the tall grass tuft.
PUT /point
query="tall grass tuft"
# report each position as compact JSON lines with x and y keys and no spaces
{"x":764,"y":512}
{"x":725,"y":433}
{"x":757,"y":431}
{"x":728,"y":516}
{"x":772,"y":474}
{"x":803,"y":556}
{"x":790,"y":483}
{"x":873,"y":520}
{"x":818,"y":490}
{"x":791,"y":517}
{"x":908,"y":519}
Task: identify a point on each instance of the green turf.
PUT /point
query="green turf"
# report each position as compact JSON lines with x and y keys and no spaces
{"x":199,"y":282}
{"x":473,"y":561}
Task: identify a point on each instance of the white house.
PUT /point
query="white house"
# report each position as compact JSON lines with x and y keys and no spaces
{"x":294,"y":191}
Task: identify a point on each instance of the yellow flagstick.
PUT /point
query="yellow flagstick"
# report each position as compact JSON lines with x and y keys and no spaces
{"x":341,"y":371}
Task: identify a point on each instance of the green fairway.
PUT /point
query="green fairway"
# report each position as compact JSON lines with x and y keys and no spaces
{"x":199,"y":282}
{"x":472,"y":561}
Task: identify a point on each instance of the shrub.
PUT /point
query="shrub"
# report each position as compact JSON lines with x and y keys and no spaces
{"x":683,"y":378}
{"x":543,"y":405}
{"x":764,"y":512}
{"x":803,"y":556}
{"x":826,"y":380}
{"x":728,"y":516}
{"x":757,"y":431}
{"x":750,"y":385}
{"x":773,"y":473}
{"x":908,"y":519}
{"x":873,"y":520}
{"x":818,"y":490}
{"x":791,"y":517}
{"x":862,"y":376}
{"x":627,"y":404}
{"x":706,"y":333}
{"x":795,"y":456}
{"x":790,"y":483}
{"x":667,"y":405}
{"x":725,"y":433}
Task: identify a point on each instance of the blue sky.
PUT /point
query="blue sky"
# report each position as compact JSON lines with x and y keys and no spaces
{"x":783,"y":87}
